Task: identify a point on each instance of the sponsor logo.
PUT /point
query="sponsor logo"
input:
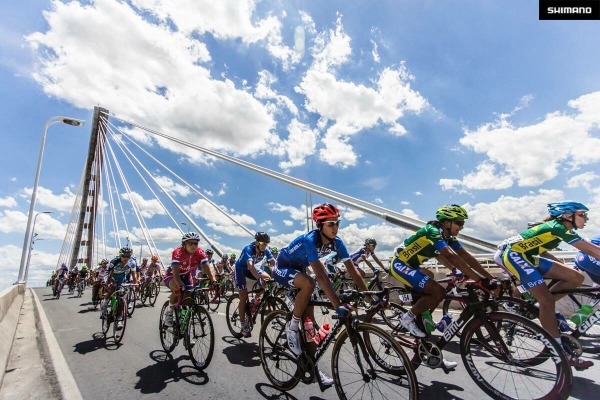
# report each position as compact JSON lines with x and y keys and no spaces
{"x":592,"y":319}
{"x":517,"y":259}
{"x":411,"y":250}
{"x":569,"y":9}
{"x":529,"y":244}
{"x":452,"y":329}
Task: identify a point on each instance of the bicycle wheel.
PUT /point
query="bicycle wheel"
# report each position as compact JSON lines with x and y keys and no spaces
{"x":144,"y":294}
{"x":154,"y":290}
{"x":571,"y":303}
{"x":232,"y":316}
{"x":277,"y":360}
{"x":131,"y":297}
{"x":122,"y":308}
{"x":229,"y":289}
{"x":517,"y":360}
{"x":168,"y":335}
{"x":358,"y":375}
{"x":271,"y":304}
{"x":200,"y":337}
{"x":106,"y":323}
{"x":215,"y":298}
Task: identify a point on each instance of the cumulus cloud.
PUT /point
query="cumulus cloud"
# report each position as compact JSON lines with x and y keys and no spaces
{"x":46,"y":198}
{"x":582,"y":180}
{"x":45,"y":226}
{"x":8,"y":202}
{"x":530,"y":155}
{"x":215,"y":219}
{"x":148,"y":208}
{"x":295,"y":213}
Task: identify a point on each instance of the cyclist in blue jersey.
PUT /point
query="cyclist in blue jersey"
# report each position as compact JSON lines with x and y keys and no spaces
{"x":118,"y":269}
{"x":248,"y":266}
{"x":307,"y":250}
{"x":589,"y":264}
{"x":363,"y":254}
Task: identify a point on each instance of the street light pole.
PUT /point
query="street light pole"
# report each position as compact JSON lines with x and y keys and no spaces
{"x":31,"y":244}
{"x":28,"y":229}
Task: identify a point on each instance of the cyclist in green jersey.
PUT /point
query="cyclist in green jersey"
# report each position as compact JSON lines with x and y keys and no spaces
{"x":526,"y":257}
{"x":437,"y":240}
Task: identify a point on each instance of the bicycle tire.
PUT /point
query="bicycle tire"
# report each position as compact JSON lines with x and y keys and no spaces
{"x":213,"y":306}
{"x":539,"y":345}
{"x":144,"y":294}
{"x":229,"y":289}
{"x":232,"y":316}
{"x":271,"y":304}
{"x":200,"y":338}
{"x":118,"y":334}
{"x":278,"y":362}
{"x":154,"y":290}
{"x":168,"y":335}
{"x":131,"y":298}
{"x":106,"y":323}
{"x":395,"y":370}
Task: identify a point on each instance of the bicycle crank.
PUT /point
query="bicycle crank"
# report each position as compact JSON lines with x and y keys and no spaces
{"x":430,"y":354}
{"x":307,"y":368}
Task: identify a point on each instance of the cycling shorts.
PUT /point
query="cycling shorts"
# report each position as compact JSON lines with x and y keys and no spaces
{"x":409,"y":276}
{"x":240,"y":275}
{"x":185,"y":278}
{"x":515,"y":264}
{"x":285,"y":275}
{"x":119,"y":279}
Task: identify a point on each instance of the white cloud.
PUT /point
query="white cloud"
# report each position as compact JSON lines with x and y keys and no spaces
{"x":378,"y":200}
{"x":418,"y":194}
{"x":173,"y":188}
{"x":47,"y":199}
{"x":484,"y":178}
{"x":13,"y":179}
{"x":295,"y":213}
{"x":534,"y":154}
{"x":276,"y":102}
{"x":8,"y":202}
{"x":148,"y":208}
{"x":217,"y":221}
{"x":287,"y":222}
{"x":350,"y":214}
{"x":301,"y":143}
{"x":582,"y":180}
{"x":45,"y":226}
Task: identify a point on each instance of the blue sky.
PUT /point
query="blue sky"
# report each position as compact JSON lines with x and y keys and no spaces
{"x":405,"y":104}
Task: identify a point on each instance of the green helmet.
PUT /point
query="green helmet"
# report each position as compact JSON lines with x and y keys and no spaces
{"x":274,"y":250}
{"x":451,"y":212}
{"x":84,"y":266}
{"x":232,"y":256}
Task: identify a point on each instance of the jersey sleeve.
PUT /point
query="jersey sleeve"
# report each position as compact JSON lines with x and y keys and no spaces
{"x":341,"y":250}
{"x":569,"y":236}
{"x":310,"y":246}
{"x":433,"y":234}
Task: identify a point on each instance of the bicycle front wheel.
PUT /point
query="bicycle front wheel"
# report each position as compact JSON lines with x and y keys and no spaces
{"x":232,"y":315}
{"x":120,"y":323}
{"x":154,"y":289}
{"x":271,"y":304}
{"x":277,"y":360}
{"x":215,"y":298}
{"x":200,"y":337}
{"x":131,"y":298}
{"x":168,"y":335}
{"x":510,"y":357}
{"x":358,"y":375}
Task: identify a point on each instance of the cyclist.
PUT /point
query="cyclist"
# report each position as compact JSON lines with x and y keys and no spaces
{"x":307,"y":250}
{"x":134,"y":269}
{"x":232,"y":257}
{"x":437,"y":240}
{"x":590,"y":265}
{"x":83,"y":274}
{"x":99,"y":274}
{"x":118,"y":269}
{"x":63,"y":273}
{"x":248,"y":266}
{"x":73,"y":274}
{"x":184,"y":263}
{"x":275,"y":253}
{"x":362,"y":254}
{"x":526,"y":257}
{"x":152,"y":271}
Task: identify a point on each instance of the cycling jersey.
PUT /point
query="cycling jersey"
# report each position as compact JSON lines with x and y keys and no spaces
{"x":101,"y":273}
{"x":519,"y":255}
{"x":83,"y":273}
{"x":356,"y":257}
{"x":302,"y":251}
{"x":188,"y":264}
{"x":241,"y":271}
{"x":588,"y":263}
{"x":119,"y":270}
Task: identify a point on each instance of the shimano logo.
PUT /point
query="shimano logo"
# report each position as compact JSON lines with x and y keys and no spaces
{"x":569,"y":9}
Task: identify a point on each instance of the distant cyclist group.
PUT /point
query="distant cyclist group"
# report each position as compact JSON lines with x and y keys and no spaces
{"x":515,"y":332}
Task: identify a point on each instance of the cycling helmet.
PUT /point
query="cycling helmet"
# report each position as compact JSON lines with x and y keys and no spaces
{"x":371,"y":241}
{"x":125,"y":252}
{"x":63,"y":265}
{"x":262,"y":237}
{"x":104,"y":261}
{"x":190,"y":236}
{"x":84,"y":267}
{"x":154,"y":258}
{"x":209,"y":252}
{"x":226,"y":256}
{"x":451,"y":212}
{"x":144,"y":259}
{"x":325,"y":211}
{"x":274,"y":250}
{"x":232,"y":256}
{"x":561,"y":208}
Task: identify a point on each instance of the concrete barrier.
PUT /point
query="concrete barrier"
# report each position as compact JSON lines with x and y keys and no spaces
{"x":11,"y":300}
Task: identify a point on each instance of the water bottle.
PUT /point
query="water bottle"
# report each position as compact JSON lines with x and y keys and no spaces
{"x":309,"y":330}
{"x":582,"y":314}
{"x":428,"y":321}
{"x":182,"y":314}
{"x":255,"y":304}
{"x":444,"y":322}
{"x":323,"y":332}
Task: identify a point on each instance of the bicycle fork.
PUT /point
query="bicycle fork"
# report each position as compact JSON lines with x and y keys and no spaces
{"x":359,"y":347}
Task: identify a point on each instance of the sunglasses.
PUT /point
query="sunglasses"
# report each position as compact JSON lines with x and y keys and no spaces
{"x":331,"y":224}
{"x":459,"y":223}
{"x":263,"y":243}
{"x":125,"y":257}
{"x":583,"y":215}
{"x":192,"y":243}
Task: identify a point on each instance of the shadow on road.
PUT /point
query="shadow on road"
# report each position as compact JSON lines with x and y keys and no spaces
{"x":241,"y":352}
{"x":272,"y":393}
{"x":584,"y":388}
{"x":89,"y":346}
{"x":154,"y":378}
{"x":439,"y":390}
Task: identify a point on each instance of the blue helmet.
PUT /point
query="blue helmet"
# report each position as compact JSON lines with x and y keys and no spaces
{"x":565,"y":207}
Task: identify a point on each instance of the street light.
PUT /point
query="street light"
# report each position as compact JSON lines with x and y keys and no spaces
{"x":28,"y":229}
{"x":31,"y":243}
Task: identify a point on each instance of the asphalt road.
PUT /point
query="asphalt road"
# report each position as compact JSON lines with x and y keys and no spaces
{"x":139,"y":367}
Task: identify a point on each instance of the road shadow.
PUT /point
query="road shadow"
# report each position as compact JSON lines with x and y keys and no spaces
{"x":154,"y":378}
{"x":584,"y":388}
{"x":272,"y":393}
{"x":97,"y":342}
{"x":439,"y":390}
{"x":241,"y":352}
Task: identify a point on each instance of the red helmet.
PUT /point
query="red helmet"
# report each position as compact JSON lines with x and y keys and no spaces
{"x":325,"y":211}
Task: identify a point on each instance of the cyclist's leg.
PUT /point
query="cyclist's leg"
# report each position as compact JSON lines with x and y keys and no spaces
{"x":568,"y":277}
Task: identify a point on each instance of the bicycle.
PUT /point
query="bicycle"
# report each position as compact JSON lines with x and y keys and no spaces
{"x":365,"y":359}
{"x":58,"y":290}
{"x":131,"y":297}
{"x":99,"y":295}
{"x":149,"y":292}
{"x":118,"y":312}
{"x":500,"y":350}
{"x":192,"y":323}
{"x":258,"y":306}
{"x":80,"y":288}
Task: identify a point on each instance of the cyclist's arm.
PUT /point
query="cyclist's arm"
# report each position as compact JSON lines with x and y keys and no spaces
{"x":588,"y":248}
{"x":176,"y":277}
{"x":356,"y":276}
{"x":378,"y":261}
{"x":451,"y":260}
{"x":473,"y":263}
{"x":364,"y":258}
{"x":252,"y":269}
{"x":324,"y":282}
{"x":208,"y":271}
